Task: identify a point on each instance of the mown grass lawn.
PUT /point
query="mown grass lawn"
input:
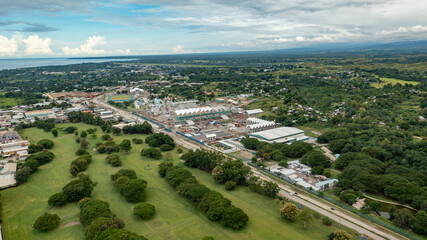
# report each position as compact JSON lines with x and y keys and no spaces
{"x":176,"y":217}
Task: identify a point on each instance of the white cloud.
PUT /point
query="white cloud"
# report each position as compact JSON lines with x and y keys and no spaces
{"x":90,"y":47}
{"x":36,"y":45}
{"x":181,"y":50}
{"x":32,"y":45}
{"x":407,"y":30}
{"x":8,"y":46}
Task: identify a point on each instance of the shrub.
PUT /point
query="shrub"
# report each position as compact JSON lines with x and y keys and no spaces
{"x":70,"y":129}
{"x":46,"y":143}
{"x":230,"y":185}
{"x":180,"y":150}
{"x":327,"y":221}
{"x":81,"y":152}
{"x":57,"y":200}
{"x":137,"y":141}
{"x":158,"y":139}
{"x":79,"y":188}
{"x":106,"y":137}
{"x":80,"y":164}
{"x":21,"y":176}
{"x":123,"y":234}
{"x":32,"y":164}
{"x":151,"y":153}
{"x":46,"y":222}
{"x":120,"y":182}
{"x":163,"y":167}
{"x":33,"y":148}
{"x":166,"y":147}
{"x":144,"y":210}
{"x":133,"y":190}
{"x":124,"y":172}
{"x":112,"y":158}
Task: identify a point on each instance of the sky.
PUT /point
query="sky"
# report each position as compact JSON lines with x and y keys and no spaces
{"x":66,"y":28}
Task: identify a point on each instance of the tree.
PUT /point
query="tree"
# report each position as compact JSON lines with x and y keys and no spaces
{"x":420,"y":223}
{"x":78,"y":188}
{"x":46,"y":143}
{"x":32,"y":164}
{"x":125,"y":235}
{"x":70,"y":129}
{"x":131,"y":174}
{"x":21,"y":176}
{"x":144,"y":210}
{"x":316,"y":158}
{"x":163,"y":167}
{"x":250,"y":143}
{"x":92,"y":209}
{"x":341,"y":235}
{"x":151,"y":153}
{"x":166,"y":147}
{"x":101,"y":224}
{"x":289,"y":211}
{"x":133,"y":190}
{"x":126,"y":145}
{"x":81,"y":152}
{"x":55,"y":133}
{"x":234,"y":218}
{"x":306,"y":217}
{"x":57,"y":200}
{"x":230,"y":185}
{"x":403,"y":218}
{"x":46,"y":222}
{"x":83,"y":134}
{"x":116,"y":131}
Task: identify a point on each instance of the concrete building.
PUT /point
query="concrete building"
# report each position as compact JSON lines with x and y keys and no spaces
{"x":254,"y":112}
{"x":280,"y":135}
{"x":42,"y":114}
{"x":12,"y":145}
{"x":257,"y":124}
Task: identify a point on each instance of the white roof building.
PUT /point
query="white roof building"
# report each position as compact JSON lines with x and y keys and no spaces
{"x":254,"y":112}
{"x":280,"y":135}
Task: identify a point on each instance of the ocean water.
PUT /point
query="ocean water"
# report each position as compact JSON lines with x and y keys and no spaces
{"x":40,"y":62}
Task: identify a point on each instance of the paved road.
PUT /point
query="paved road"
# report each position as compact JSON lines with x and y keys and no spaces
{"x":341,"y":216}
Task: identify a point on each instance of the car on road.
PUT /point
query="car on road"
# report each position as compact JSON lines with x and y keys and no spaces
{"x":332,"y":208}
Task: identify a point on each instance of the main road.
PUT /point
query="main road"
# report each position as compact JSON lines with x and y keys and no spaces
{"x":339,"y":215}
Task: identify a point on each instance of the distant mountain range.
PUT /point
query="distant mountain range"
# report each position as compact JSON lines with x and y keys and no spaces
{"x":349,"y":48}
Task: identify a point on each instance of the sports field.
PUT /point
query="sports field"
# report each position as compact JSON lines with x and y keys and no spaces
{"x":176,"y":217}
{"x":392,"y":81}
{"x":121,"y":98}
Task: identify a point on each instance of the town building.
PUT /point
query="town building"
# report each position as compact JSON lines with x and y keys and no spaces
{"x":12,"y":145}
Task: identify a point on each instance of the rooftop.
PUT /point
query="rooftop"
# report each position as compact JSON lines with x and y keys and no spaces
{"x":277,"y":133}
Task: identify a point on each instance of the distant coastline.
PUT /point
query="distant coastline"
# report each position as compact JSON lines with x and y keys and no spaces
{"x":8,"y":64}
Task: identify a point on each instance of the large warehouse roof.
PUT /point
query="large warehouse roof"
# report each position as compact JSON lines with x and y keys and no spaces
{"x":277,"y":133}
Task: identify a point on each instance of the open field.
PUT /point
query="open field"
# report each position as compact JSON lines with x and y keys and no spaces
{"x":176,"y":217}
{"x":121,"y":98}
{"x":392,"y":81}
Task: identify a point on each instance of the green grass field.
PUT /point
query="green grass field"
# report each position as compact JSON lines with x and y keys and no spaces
{"x":120,"y":97}
{"x":393,"y":81}
{"x":176,"y":217}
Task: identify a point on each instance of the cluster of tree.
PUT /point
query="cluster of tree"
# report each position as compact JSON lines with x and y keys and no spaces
{"x":263,"y":187}
{"x":317,"y":161}
{"x":231,"y":170}
{"x":216,"y":207}
{"x":42,"y":144}
{"x":160,"y":139}
{"x":46,"y":222}
{"x":31,"y":165}
{"x":276,"y":151}
{"x":151,"y":153}
{"x":339,"y":235}
{"x":131,"y":188}
{"x":405,"y":219}
{"x":73,"y":191}
{"x":290,"y":212}
{"x":383,"y":161}
{"x":202,"y":159}
{"x":144,"y":128}
{"x":137,"y":141}
{"x":80,"y":164}
{"x":88,"y":118}
{"x":110,"y":146}
{"x":114,"y":160}
{"x":100,"y":223}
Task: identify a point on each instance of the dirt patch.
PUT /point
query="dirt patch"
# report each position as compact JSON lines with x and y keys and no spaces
{"x":70,"y":224}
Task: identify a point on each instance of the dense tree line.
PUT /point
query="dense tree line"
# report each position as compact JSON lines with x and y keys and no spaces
{"x":160,"y":139}
{"x":213,"y":204}
{"x":144,"y":128}
{"x":80,"y":164}
{"x":31,"y":164}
